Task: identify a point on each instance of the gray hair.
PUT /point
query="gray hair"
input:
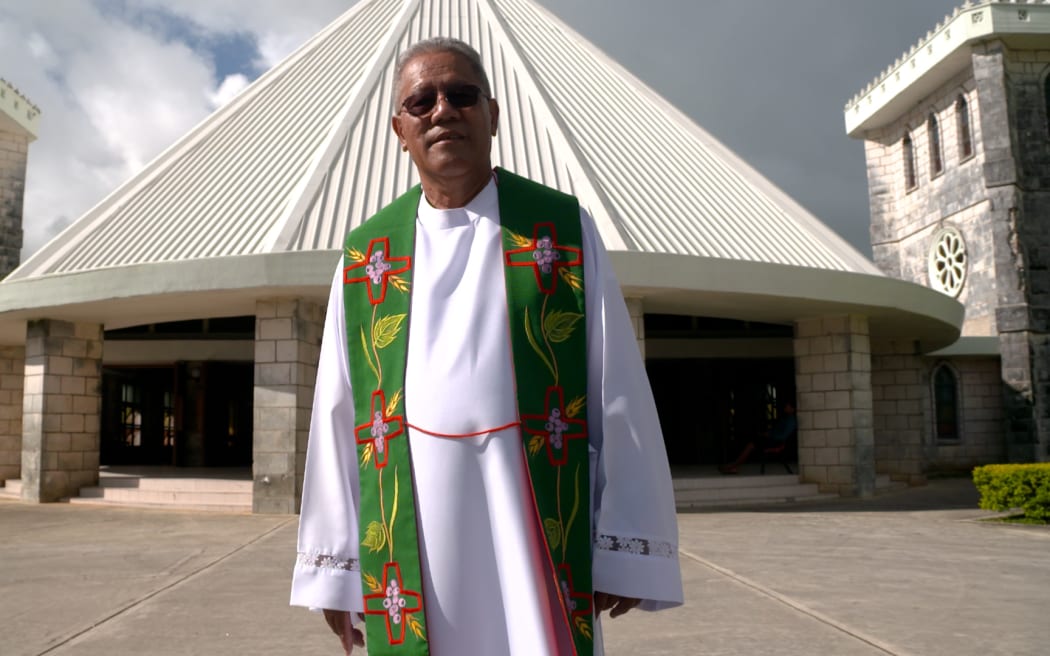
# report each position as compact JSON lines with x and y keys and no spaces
{"x":440,"y":44}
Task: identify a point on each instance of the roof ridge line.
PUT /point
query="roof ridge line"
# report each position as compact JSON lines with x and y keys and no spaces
{"x":547,"y":105}
{"x":60,"y":244}
{"x":285,"y":228}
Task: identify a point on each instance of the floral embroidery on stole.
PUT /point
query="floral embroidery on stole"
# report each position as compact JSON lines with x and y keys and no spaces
{"x":548,"y":338}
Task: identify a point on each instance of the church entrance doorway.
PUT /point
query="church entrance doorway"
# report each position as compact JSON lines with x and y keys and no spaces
{"x":186,"y":414}
{"x":711,"y":408}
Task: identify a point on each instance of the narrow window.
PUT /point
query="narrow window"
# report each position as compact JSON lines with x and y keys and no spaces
{"x":946,"y":403}
{"x":1046,"y":100}
{"x":131,"y":414}
{"x":962,"y":126}
{"x":934,"y":134}
{"x":909,"y":162}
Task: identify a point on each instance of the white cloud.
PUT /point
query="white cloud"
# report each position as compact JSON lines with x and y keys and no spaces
{"x":230,"y":87}
{"x":114,"y":93}
{"x":278,"y":25}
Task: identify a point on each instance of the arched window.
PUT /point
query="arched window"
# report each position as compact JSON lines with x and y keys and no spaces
{"x":1046,"y":99}
{"x":962,"y":127}
{"x":945,"y":403}
{"x":909,"y":162}
{"x":933,"y":132}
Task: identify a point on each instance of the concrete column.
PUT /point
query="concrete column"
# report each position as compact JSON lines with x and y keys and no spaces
{"x":287,"y":347}
{"x":900,"y":388}
{"x":637,"y":312}
{"x":833,"y":381}
{"x":12,"y":378}
{"x":62,"y":401}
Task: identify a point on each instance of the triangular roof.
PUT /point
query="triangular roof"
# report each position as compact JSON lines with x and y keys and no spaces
{"x":306,"y":152}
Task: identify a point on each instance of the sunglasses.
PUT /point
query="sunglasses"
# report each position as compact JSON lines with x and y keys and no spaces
{"x":459,"y":96}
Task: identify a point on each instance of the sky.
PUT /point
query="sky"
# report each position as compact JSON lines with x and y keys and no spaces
{"x":117,"y":81}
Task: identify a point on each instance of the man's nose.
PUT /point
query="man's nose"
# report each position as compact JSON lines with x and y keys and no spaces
{"x":442,"y":109}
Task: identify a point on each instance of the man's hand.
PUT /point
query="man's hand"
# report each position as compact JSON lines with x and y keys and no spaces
{"x":604,"y":601}
{"x":340,"y":624}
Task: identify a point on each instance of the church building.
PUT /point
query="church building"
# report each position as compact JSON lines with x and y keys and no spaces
{"x":176,"y":325}
{"x":957,"y":140}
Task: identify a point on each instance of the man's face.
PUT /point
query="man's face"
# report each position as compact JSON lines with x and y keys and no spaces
{"x":446,"y":141}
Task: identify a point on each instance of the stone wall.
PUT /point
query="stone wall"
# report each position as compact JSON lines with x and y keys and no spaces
{"x":1017,"y":179}
{"x":980,"y":419}
{"x":999,"y":200}
{"x":12,"y":378}
{"x":833,"y":385}
{"x":62,"y":402}
{"x":13,"y":150}
{"x":287,"y":347}
{"x":905,"y":221}
{"x":901,"y":403}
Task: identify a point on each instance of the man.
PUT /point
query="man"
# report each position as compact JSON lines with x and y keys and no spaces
{"x":485,"y":472}
{"x":783,"y":428}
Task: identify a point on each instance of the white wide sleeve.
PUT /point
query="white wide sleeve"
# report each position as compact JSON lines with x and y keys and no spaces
{"x":635,"y":526}
{"x":327,"y":573}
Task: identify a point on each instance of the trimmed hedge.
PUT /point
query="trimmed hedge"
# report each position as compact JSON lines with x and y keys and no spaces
{"x":1005,"y":487}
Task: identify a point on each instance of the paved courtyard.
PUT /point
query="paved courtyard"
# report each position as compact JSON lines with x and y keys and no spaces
{"x":911,"y":572}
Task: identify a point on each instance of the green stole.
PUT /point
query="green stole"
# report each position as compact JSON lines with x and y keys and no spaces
{"x":543,"y":269}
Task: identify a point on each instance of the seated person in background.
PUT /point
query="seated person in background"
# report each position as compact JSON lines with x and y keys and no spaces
{"x":784,"y":426}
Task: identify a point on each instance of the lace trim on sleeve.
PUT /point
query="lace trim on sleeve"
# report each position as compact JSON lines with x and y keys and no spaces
{"x":325,"y":561}
{"x":636,"y":546}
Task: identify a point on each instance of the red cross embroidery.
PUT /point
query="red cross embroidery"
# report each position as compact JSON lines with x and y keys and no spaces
{"x":394,"y":602}
{"x":378,"y":268}
{"x":554,"y":426}
{"x":545,"y":254}
{"x":378,"y":420}
{"x":576,"y":603}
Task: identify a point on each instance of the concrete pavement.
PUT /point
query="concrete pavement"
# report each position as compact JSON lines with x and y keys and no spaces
{"x":909,"y":573}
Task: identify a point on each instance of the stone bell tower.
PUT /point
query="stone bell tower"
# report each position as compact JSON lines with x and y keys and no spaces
{"x":957,"y":141}
{"x":18,"y":125}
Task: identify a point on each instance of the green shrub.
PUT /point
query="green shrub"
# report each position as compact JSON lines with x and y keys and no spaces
{"x":1005,"y":487}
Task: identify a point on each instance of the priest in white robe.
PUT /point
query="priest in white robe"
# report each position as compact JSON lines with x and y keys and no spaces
{"x":486,"y":585}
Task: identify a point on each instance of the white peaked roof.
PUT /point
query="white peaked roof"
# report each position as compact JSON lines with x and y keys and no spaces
{"x":306,"y":152}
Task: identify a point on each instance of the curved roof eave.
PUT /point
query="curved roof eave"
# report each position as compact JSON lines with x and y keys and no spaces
{"x":777,"y":293}
{"x":682,"y":284}
{"x":164,"y":291}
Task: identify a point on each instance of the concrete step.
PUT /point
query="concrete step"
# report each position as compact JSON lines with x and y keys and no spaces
{"x":170,"y":488}
{"x":173,"y":484}
{"x":12,"y":489}
{"x":182,"y":505}
{"x":201,"y":497}
{"x":788,"y":491}
{"x":730,"y":503}
{"x":731,"y":482}
{"x":705,"y":487}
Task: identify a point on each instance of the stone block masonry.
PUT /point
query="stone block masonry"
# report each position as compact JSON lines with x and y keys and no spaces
{"x":12,"y":375}
{"x":287,"y":347}
{"x":13,"y":149}
{"x":980,"y":438}
{"x":901,"y":406}
{"x":61,"y":406}
{"x":833,"y":383}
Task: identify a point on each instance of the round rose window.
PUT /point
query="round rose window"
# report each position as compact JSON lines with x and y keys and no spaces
{"x":948,"y":262}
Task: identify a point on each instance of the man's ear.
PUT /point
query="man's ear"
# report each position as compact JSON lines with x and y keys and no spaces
{"x":494,"y":112}
{"x":395,"y":125}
